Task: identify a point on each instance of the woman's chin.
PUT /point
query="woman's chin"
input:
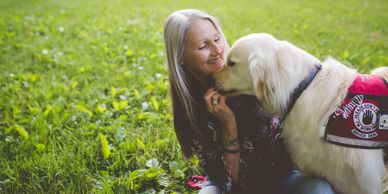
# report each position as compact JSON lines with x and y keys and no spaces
{"x":218,"y":67}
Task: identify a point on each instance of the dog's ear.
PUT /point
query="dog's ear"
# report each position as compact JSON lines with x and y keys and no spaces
{"x":269,"y":70}
{"x":259,"y":74}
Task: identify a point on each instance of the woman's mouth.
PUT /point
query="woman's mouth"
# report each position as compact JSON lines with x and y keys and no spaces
{"x":216,"y":61}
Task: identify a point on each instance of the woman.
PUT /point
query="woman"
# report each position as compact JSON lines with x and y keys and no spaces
{"x":234,"y":141}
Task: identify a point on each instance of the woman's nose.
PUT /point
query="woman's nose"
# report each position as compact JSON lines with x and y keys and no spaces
{"x":217,"y":49}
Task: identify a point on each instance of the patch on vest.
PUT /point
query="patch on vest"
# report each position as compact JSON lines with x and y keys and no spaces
{"x":362,"y":119}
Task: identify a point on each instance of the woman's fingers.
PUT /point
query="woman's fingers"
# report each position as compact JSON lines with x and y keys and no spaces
{"x":222,"y":100}
{"x":216,"y":103}
{"x":215,"y":99}
{"x":209,"y":98}
{"x":209,"y":94}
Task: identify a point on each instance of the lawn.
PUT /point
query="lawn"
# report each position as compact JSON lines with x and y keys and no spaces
{"x":84,"y":105}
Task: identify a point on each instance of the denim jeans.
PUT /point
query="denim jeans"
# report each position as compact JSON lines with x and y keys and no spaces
{"x":295,"y":183}
{"x":210,"y":187}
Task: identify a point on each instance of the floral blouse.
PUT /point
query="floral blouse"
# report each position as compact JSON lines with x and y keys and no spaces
{"x":264,"y":163}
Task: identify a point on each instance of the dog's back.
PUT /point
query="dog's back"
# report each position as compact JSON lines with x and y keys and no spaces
{"x":382,"y":71}
{"x":354,"y":171}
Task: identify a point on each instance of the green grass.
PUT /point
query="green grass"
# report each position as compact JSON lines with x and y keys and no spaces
{"x":84,"y":103}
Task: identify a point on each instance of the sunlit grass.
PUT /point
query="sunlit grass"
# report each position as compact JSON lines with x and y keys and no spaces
{"x":84,"y":101}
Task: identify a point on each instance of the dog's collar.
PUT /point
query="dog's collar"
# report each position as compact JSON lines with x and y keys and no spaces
{"x":301,"y":87}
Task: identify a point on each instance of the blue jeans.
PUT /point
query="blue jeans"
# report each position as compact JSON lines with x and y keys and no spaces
{"x":295,"y":183}
{"x":210,"y":187}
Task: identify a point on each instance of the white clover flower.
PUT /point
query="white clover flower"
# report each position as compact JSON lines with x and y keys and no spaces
{"x":125,"y":47}
{"x":158,"y":75}
{"x":141,"y":59}
{"x":61,"y":29}
{"x":122,"y":97}
{"x":25,"y":84}
{"x":98,"y":122}
{"x":140,"y":67}
{"x":144,"y":105}
{"x":45,"y":51}
{"x":152,"y":162}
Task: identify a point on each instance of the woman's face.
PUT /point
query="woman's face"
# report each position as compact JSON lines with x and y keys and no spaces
{"x":204,"y":51}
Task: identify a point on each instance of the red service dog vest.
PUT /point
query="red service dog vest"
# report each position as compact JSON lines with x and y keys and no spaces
{"x":362,"y":119}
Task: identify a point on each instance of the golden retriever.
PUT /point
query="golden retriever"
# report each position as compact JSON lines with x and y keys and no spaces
{"x":270,"y":69}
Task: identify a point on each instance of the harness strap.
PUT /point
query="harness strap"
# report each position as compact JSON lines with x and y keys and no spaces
{"x":301,"y":87}
{"x":278,"y":133}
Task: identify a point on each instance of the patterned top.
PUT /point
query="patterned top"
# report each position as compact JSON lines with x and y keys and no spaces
{"x":264,"y":163}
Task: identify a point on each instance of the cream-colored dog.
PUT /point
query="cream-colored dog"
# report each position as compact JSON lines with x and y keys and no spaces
{"x":260,"y":65}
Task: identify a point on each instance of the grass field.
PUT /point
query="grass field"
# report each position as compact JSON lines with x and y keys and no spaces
{"x":84,"y":104}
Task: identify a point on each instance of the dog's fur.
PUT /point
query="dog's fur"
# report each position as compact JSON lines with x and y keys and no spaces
{"x":260,"y":65}
{"x":382,"y":71}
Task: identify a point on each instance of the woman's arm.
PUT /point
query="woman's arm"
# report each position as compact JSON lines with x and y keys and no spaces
{"x":216,"y":105}
{"x":231,"y":148}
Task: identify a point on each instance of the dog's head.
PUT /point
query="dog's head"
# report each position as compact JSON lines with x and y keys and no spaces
{"x":261,"y":65}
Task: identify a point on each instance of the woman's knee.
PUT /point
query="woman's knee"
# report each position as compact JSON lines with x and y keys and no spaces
{"x":211,"y":189}
{"x":312,"y":185}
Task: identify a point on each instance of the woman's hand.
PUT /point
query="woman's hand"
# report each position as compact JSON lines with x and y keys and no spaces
{"x":216,"y":105}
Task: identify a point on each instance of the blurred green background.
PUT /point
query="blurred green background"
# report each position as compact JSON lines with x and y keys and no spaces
{"x":84,"y":104}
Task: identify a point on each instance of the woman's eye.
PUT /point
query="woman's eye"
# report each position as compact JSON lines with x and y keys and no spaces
{"x":217,"y":39}
{"x":203,"y":46}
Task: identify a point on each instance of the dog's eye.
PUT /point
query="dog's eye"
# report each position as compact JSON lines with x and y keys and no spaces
{"x":231,"y":63}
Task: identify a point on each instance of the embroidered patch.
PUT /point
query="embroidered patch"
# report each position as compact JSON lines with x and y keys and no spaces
{"x":362,"y":119}
{"x":349,"y":107}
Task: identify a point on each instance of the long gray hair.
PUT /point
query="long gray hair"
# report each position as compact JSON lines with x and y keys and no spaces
{"x":175,"y":29}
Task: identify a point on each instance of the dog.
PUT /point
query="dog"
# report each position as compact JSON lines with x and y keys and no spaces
{"x":273,"y":70}
{"x":382,"y":71}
